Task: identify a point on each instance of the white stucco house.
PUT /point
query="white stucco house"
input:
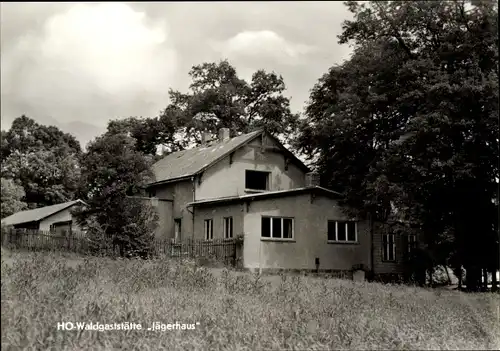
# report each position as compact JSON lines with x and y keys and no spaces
{"x":55,"y":218}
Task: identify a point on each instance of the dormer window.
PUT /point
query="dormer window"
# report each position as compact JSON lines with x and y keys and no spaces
{"x":256,"y":180}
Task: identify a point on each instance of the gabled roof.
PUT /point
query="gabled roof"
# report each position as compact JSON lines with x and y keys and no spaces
{"x":38,"y":214}
{"x":269,"y":194}
{"x":187,"y":163}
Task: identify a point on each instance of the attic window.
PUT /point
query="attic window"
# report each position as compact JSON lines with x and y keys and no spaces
{"x":256,"y":180}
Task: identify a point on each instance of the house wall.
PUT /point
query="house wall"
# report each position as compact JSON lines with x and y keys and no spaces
{"x":62,"y":216}
{"x":217,"y":213}
{"x":384,"y":267}
{"x":181,"y":193}
{"x":310,"y":236}
{"x":228,"y":179}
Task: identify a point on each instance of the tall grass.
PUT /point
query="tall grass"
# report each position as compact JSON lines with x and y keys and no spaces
{"x":235,"y":311}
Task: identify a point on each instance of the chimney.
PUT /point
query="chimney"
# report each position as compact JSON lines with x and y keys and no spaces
{"x":312,"y":179}
{"x":205,"y":138}
{"x":223,"y":134}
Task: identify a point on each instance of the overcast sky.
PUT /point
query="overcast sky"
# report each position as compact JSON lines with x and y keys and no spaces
{"x":78,"y":65}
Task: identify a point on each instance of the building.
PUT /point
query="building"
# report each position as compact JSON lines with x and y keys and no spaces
{"x":251,"y":185}
{"x":55,"y":218}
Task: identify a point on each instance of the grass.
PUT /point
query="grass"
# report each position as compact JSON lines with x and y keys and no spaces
{"x":235,"y":311}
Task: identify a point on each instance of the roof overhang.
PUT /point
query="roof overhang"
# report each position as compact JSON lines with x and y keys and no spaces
{"x":267,"y":195}
{"x":169,"y":181}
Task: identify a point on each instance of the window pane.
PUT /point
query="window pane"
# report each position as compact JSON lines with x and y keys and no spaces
{"x":287,"y":228}
{"x":341,"y":235}
{"x":389,"y":247}
{"x":276,"y":228}
{"x":393,"y":247}
{"x":331,"y":230}
{"x":351,"y":231}
{"x":228,"y":227}
{"x":266,"y":227}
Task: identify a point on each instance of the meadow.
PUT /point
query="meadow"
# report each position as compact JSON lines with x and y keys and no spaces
{"x":235,"y":311}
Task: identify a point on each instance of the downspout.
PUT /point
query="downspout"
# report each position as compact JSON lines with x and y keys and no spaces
{"x":193,"y":181}
{"x":372,"y":246}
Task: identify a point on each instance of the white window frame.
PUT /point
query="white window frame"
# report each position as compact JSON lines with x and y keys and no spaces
{"x":271,"y":219}
{"x":225,"y":221}
{"x":388,"y":248}
{"x":208,"y":229}
{"x":336,"y":240}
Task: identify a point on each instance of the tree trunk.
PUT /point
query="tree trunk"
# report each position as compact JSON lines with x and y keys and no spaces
{"x":447,"y":274}
{"x":494,"y":282}
{"x":485,"y":279}
{"x":473,"y":278}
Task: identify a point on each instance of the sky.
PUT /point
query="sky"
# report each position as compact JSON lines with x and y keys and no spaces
{"x":78,"y":65}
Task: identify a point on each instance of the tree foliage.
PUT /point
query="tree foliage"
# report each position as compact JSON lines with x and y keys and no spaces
{"x":217,"y":98}
{"x":12,"y":195}
{"x":43,"y":160}
{"x":112,"y":170}
{"x":411,"y":120}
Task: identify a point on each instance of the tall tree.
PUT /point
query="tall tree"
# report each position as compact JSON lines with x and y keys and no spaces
{"x":411,"y":119}
{"x":112,"y":169}
{"x":43,"y":160}
{"x":217,"y":98}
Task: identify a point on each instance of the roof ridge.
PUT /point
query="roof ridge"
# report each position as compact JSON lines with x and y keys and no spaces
{"x":188,"y":162}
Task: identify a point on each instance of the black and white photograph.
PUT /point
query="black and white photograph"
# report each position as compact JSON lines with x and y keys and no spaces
{"x":250,"y":175}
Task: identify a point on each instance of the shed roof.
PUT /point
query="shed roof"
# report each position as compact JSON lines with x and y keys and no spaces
{"x":37,"y":214}
{"x":268,"y":194}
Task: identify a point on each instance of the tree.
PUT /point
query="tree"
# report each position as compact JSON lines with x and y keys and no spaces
{"x":411,"y":119}
{"x":150,"y":133}
{"x":43,"y":160}
{"x":217,"y":98}
{"x":112,"y":170}
{"x":12,"y":197}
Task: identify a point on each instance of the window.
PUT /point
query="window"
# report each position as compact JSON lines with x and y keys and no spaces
{"x":209,"y":229}
{"x":277,"y":228}
{"x":256,"y":180}
{"x":151,"y":192}
{"x":412,"y":243}
{"x":177,"y":229}
{"x":342,"y":231}
{"x":61,"y":228}
{"x":228,"y":227}
{"x":388,"y":247}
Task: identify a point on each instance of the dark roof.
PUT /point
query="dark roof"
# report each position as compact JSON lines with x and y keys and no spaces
{"x":186,"y":163}
{"x":268,"y":194}
{"x":37,"y":214}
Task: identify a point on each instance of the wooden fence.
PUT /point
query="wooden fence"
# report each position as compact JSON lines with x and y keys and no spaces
{"x":37,"y":240}
{"x":223,"y":250}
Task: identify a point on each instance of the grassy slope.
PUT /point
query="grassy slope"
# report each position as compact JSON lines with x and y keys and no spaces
{"x":235,"y":311}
